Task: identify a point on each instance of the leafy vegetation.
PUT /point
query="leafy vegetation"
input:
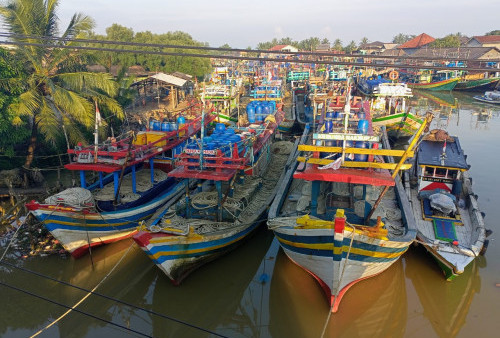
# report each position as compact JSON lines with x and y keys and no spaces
{"x":55,"y":92}
{"x":154,"y":63}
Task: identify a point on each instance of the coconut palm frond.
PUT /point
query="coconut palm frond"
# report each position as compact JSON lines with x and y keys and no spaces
{"x":50,"y":20}
{"x":29,"y":103}
{"x":111,"y":104}
{"x":82,"y":81}
{"x":79,"y":23}
{"x":48,"y":122}
{"x":73,"y":104}
{"x":73,"y":131}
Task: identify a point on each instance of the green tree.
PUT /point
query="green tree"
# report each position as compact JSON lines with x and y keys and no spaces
{"x":337,"y":45}
{"x":52,"y":96}
{"x":325,"y":41}
{"x":402,"y":38}
{"x":495,"y":32}
{"x":350,"y":47}
{"x":364,"y":41}
{"x":13,"y":131}
{"x":451,"y":40}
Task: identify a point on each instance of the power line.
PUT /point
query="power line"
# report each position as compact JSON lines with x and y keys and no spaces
{"x":74,"y":309}
{"x":233,"y":57}
{"x":260,"y":51}
{"x":111,"y":298}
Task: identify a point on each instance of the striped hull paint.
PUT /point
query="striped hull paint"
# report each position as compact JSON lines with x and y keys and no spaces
{"x":480,"y":85}
{"x":336,"y":264}
{"x":178,"y":256}
{"x":404,"y":122}
{"x":439,"y":85}
{"x":77,"y":230}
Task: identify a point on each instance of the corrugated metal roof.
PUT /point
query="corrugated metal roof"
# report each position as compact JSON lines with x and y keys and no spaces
{"x":170,"y":79}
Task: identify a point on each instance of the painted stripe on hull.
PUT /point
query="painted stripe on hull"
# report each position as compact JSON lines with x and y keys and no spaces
{"x":178,"y":259}
{"x":75,"y":231}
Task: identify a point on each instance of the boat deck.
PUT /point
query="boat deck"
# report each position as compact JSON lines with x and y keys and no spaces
{"x":463,"y":231}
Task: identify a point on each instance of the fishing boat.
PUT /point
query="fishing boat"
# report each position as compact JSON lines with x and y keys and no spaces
{"x":340,"y":214}
{"x":489,"y":97}
{"x":426,"y":80}
{"x":125,"y":192}
{"x":477,"y":85}
{"x":389,"y":108}
{"x":235,"y":188}
{"x":449,"y":222}
{"x":370,"y":86}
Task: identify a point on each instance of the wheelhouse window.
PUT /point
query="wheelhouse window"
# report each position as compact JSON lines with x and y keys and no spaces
{"x":440,"y":172}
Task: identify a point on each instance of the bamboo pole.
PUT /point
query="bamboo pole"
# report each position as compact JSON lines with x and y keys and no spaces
{"x":413,"y":143}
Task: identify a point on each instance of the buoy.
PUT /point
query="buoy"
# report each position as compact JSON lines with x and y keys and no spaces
{"x":455,"y":242}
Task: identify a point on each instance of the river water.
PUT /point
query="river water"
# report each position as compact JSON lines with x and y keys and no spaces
{"x":257,"y":292}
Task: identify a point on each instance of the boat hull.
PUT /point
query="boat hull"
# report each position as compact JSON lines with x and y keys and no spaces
{"x":178,"y":256}
{"x":77,"y":230}
{"x":337,"y":265}
{"x":435,"y":86}
{"x":480,"y":85}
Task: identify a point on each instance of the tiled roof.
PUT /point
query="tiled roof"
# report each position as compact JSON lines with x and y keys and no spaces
{"x":455,"y":52}
{"x":278,"y":47}
{"x":421,"y":40}
{"x":487,"y":38}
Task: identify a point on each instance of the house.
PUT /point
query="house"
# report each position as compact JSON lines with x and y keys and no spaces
{"x":416,"y":43}
{"x":284,"y":48}
{"x":375,"y":47}
{"x":479,"y":57}
{"x":484,"y":41}
{"x":323,"y":47}
{"x":161,"y":85}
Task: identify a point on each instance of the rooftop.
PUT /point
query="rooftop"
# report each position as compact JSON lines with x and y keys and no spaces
{"x":419,"y":41}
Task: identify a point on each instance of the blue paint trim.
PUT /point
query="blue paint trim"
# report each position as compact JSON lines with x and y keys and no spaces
{"x":83,"y":184}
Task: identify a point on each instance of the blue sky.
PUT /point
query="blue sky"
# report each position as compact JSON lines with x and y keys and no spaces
{"x":246,"y":23}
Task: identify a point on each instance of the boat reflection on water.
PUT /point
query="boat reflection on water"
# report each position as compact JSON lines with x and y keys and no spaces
{"x":445,"y":304}
{"x":375,"y":307}
{"x":227,"y":297}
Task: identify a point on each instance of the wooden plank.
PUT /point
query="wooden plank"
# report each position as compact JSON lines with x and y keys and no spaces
{"x":354,"y":164}
{"x":347,"y":137}
{"x":365,"y":151}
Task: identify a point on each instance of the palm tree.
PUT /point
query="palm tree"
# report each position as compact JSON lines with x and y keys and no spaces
{"x":58,"y":92}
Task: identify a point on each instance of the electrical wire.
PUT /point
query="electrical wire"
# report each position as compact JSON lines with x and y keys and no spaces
{"x":72,"y":308}
{"x":249,"y":58}
{"x":110,"y":298}
{"x":260,"y":51}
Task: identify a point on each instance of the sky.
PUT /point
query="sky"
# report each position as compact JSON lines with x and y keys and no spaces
{"x":246,"y":23}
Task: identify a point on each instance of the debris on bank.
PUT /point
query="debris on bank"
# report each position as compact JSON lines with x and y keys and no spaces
{"x":32,"y":239}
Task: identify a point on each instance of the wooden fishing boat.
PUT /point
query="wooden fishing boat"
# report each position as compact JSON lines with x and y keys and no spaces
{"x":389,"y":109}
{"x":450,"y":224}
{"x":109,"y":209}
{"x":369,"y":86}
{"x":227,"y":205}
{"x":343,"y":217}
{"x":489,"y":97}
{"x":448,"y":84}
{"x":477,"y":85}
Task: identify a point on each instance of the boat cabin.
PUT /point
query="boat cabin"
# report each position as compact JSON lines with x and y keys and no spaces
{"x":440,"y":164}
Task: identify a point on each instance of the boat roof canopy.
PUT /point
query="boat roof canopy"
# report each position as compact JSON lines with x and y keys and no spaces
{"x":429,"y":153}
{"x":346,"y":175}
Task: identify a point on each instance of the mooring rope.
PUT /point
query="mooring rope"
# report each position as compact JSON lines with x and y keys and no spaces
{"x":86,"y":296}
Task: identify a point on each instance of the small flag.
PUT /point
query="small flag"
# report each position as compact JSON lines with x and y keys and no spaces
{"x":444,"y":147}
{"x":97,"y":115}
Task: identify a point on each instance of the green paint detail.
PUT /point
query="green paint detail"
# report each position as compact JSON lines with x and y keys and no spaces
{"x":470,"y":84}
{"x":435,"y":86}
{"x":449,"y":275}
